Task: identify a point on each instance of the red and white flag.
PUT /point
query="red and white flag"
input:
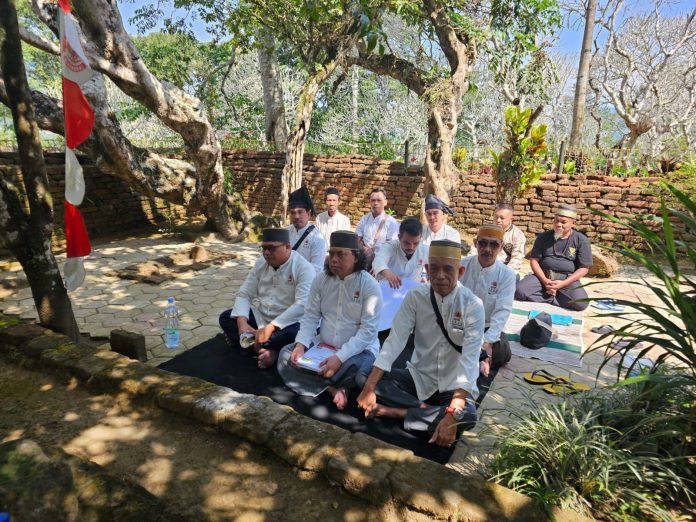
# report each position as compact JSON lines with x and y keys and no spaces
{"x":79,"y":120}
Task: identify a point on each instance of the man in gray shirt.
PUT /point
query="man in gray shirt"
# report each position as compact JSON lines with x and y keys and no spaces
{"x":560,"y":257}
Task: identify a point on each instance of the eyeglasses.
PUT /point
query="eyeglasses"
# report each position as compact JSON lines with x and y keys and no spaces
{"x":269,"y":248}
{"x":483,"y":243}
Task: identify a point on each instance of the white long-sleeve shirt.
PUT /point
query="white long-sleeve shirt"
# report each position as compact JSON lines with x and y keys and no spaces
{"x":445,"y":232}
{"x":277,"y":296}
{"x":313,"y":247}
{"x":349,"y":313}
{"x":514,"y":248}
{"x":391,"y":257}
{"x":435,"y":365}
{"x":328,"y":224}
{"x":368,"y":225}
{"x":495,"y":286}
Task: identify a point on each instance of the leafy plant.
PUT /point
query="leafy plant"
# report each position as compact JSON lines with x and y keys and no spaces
{"x":615,"y":453}
{"x":569,"y":167}
{"x":459,"y":157}
{"x":671,"y":326}
{"x":518,"y":167}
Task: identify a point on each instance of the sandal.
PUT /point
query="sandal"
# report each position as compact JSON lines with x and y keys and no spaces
{"x":566,"y":388}
{"x":626,"y":343}
{"x":544,"y":377}
{"x":604,"y":329}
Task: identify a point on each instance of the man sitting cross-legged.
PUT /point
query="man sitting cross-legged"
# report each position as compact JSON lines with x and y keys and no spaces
{"x":272,"y":299}
{"x":344,"y":302}
{"x":494,"y":283}
{"x":402,"y":258}
{"x":559,"y":258}
{"x":435,"y":393}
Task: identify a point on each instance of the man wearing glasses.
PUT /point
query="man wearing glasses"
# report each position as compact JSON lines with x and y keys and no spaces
{"x":494,"y":283}
{"x":514,"y":242}
{"x":271,"y":301}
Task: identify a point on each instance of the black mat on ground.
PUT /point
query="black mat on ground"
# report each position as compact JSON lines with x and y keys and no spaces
{"x":215,"y":362}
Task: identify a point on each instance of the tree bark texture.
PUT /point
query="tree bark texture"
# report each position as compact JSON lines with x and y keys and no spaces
{"x":292,"y":170}
{"x":276,"y":130}
{"x":583,"y":77}
{"x":28,"y":236}
{"x":198,"y":184}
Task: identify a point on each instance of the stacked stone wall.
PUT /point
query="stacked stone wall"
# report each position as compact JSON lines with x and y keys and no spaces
{"x":110,"y":206}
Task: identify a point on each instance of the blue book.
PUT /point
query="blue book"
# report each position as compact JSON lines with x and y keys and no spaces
{"x":558,"y":319}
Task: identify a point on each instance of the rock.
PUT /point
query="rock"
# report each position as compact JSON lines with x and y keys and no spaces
{"x":34,"y":487}
{"x":603,"y":265}
{"x":198,"y":254}
{"x":129,"y":344}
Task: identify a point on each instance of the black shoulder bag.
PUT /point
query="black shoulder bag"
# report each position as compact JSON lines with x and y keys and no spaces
{"x":302,"y":238}
{"x":440,"y":322}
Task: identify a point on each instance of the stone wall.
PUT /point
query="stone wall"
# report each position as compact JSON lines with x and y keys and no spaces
{"x":111,"y":206}
{"x":257,"y":177}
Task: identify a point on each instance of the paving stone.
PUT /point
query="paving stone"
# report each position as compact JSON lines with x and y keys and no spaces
{"x":129,"y":344}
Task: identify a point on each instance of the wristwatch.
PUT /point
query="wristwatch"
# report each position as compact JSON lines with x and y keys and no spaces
{"x":457,"y":413}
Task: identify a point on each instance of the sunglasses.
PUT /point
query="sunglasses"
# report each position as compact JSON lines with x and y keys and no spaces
{"x":483,"y":243}
{"x":269,"y":248}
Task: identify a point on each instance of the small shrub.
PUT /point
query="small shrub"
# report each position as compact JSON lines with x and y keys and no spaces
{"x":459,"y":158}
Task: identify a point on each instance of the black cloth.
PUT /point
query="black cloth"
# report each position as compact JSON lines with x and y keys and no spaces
{"x":397,"y":389}
{"x":501,"y":351}
{"x":278,"y":339}
{"x":564,"y":256}
{"x":215,"y":362}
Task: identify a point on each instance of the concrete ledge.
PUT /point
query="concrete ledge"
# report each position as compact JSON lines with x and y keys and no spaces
{"x":363,"y":466}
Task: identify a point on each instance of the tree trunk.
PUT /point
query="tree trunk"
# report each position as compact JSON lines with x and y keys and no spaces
{"x":355,"y":91}
{"x":276,"y":128}
{"x":29,"y":236}
{"x":583,"y":78}
{"x":438,"y":168}
{"x":292,"y":170}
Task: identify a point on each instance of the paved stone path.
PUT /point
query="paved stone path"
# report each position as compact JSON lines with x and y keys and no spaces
{"x":104,"y":303}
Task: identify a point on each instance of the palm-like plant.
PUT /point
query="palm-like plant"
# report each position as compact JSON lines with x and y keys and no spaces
{"x":670,"y":326}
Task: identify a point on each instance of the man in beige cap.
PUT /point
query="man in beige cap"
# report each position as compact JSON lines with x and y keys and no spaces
{"x":560,"y":257}
{"x":436,"y":391}
{"x":494,"y":283}
{"x":514,"y":241}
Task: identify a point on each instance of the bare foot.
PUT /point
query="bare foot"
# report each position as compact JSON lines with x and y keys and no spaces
{"x":267,"y":358}
{"x":340,"y":397}
{"x":386,"y":411}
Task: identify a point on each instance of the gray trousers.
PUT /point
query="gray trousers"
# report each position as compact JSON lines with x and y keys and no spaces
{"x":396,"y":389}
{"x":531,"y":289}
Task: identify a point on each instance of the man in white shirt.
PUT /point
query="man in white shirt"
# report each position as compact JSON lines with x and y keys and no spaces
{"x":344,"y":303}
{"x":514,"y":241}
{"x":332,"y":220}
{"x":271,"y":301}
{"x":304,"y":237}
{"x":494,"y":283}
{"x":377,"y":227}
{"x":402,"y":258}
{"x":436,"y":213}
{"x":436,"y":391}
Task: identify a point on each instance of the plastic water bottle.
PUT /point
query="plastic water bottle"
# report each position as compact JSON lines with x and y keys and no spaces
{"x":171,"y":324}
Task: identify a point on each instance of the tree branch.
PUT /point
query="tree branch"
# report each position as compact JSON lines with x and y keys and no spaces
{"x":392,"y":66}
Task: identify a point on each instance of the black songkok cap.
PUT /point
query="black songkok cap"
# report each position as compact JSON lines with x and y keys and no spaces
{"x":344,"y":239}
{"x":432,"y":201}
{"x":301,"y":199}
{"x":332,"y":190}
{"x":281,"y":235}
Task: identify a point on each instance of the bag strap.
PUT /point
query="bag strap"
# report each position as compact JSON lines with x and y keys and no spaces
{"x":440,"y":322}
{"x":379,"y":229}
{"x":302,"y":238}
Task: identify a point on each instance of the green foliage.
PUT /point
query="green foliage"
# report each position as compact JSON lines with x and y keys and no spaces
{"x":459,"y":157}
{"x":569,"y":167}
{"x":616,"y":453}
{"x":518,"y":166}
{"x":670,"y":240}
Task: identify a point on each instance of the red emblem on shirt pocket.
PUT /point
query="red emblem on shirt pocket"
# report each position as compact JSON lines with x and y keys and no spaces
{"x":356,"y":295}
{"x":290,"y":279}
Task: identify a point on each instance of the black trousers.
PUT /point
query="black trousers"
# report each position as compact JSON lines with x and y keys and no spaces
{"x":278,"y":339}
{"x":531,"y":289}
{"x":396,"y":389}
